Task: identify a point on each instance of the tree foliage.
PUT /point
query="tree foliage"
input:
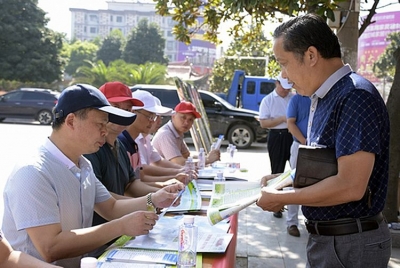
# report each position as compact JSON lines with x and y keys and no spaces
{"x":148,"y":73}
{"x":145,"y":44}
{"x":111,"y":47}
{"x":29,"y":51}
{"x":80,"y":53}
{"x":97,"y":73}
{"x":255,"y":12}
{"x":259,"y":47}
{"x":385,"y":66}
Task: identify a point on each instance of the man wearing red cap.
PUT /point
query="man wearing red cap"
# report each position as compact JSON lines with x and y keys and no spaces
{"x":169,"y":141}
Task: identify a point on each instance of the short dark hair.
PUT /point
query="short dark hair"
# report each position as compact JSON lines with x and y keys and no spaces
{"x":81,"y":114}
{"x":308,"y":30}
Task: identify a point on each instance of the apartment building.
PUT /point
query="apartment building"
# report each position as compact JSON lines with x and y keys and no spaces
{"x":124,"y":15}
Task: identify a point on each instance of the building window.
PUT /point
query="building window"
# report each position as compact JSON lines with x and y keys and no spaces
{"x":111,"y":18}
{"x":93,"y":18}
{"x":169,"y":34}
{"x":251,"y":88}
{"x":119,"y":19}
{"x":93,"y":30}
{"x":170,"y":45}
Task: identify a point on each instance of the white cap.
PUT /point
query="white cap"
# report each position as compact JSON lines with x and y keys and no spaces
{"x":284,"y":82}
{"x":150,"y":104}
{"x":158,"y":102}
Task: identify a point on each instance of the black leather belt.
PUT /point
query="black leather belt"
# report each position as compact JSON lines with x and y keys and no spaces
{"x":344,"y":226}
{"x":283,"y":130}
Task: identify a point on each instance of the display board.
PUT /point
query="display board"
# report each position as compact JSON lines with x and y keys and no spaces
{"x":200,"y":131}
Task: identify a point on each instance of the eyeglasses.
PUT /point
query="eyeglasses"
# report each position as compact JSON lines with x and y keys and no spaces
{"x":151,"y":118}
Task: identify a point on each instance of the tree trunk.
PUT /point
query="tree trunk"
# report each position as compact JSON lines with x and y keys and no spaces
{"x":348,"y":33}
{"x":392,"y":203}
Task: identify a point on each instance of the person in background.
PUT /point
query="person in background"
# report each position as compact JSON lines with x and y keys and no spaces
{"x":10,"y":258}
{"x":169,"y":139}
{"x":297,"y":119}
{"x":273,"y":116}
{"x":343,"y":212}
{"x":50,"y":196}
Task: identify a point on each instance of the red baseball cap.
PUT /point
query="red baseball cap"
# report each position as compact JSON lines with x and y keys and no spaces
{"x":118,"y":92}
{"x":186,"y":107}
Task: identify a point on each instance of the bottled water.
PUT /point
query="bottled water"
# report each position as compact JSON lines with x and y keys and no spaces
{"x":88,"y":262}
{"x":202,"y":159}
{"x":220,"y":176}
{"x":189,"y":170}
{"x":187,"y":243}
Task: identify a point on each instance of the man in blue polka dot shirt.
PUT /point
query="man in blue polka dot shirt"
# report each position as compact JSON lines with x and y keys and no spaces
{"x":343,"y":212}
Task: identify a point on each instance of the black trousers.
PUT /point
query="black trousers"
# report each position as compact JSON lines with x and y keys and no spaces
{"x":279,"y":142}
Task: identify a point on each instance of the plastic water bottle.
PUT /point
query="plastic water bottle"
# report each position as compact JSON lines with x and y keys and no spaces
{"x":220,"y":176}
{"x":88,"y":262}
{"x":202,"y":159}
{"x":189,"y":170}
{"x":187,"y":243}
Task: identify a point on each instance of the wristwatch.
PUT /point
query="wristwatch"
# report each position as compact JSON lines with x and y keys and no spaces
{"x":150,"y":204}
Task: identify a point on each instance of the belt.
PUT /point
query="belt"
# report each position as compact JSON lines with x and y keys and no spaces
{"x":344,"y":226}
{"x":283,"y":130}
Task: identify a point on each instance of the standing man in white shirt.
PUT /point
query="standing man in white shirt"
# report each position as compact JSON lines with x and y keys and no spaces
{"x":273,"y":116}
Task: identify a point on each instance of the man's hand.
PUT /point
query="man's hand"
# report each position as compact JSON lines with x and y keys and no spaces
{"x":214,"y":155}
{"x":164,"y":197}
{"x":138,"y":222}
{"x":266,"y":178}
{"x":267,"y":200}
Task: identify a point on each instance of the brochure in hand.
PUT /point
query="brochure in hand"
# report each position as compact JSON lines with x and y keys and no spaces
{"x":230,"y":197}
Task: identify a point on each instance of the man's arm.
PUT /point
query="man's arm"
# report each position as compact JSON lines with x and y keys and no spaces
{"x":158,"y":170}
{"x":348,"y":185}
{"x":180,"y":160}
{"x":166,"y":164}
{"x":10,"y":258}
{"x":295,"y":131}
{"x":53,"y":243}
{"x":138,"y":188}
{"x":272,"y":122}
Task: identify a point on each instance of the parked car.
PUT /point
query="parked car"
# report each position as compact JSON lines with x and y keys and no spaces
{"x":29,"y":103}
{"x":240,"y":126}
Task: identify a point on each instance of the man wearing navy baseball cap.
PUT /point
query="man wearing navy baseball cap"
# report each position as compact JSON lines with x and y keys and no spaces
{"x":50,"y":196}
{"x":81,"y":96}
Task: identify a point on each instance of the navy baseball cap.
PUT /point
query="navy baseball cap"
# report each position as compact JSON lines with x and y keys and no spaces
{"x":81,"y":96}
